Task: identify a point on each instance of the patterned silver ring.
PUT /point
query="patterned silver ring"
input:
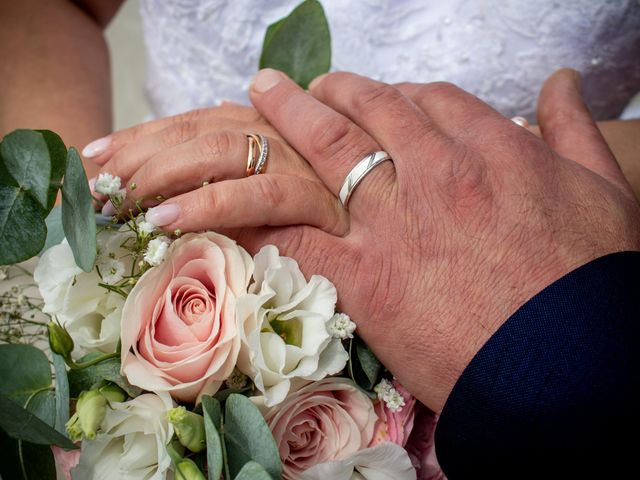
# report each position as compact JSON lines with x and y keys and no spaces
{"x":357,"y":173}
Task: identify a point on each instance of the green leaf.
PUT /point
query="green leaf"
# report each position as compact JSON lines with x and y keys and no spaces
{"x":84,"y":379}
{"x":58,"y":157}
{"x":38,"y":461}
{"x":24,"y":370}
{"x":22,"y":226}
{"x":21,"y":424}
{"x":212,"y":424}
{"x":25,"y":155}
{"x":55,"y":233}
{"x":62,"y":393}
{"x":43,"y":406}
{"x":78,"y":217}
{"x":365,"y":369}
{"x":253,"y":471}
{"x":299,"y":44}
{"x":247,"y":437}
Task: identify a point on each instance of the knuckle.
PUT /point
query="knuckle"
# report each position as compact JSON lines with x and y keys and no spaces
{"x":461,"y":178}
{"x":372,"y":99}
{"x":332,"y":135}
{"x":178,"y":133}
{"x":216,"y":144}
{"x":269,"y":192}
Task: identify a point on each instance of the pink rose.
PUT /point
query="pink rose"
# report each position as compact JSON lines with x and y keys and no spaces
{"x":179,"y":327}
{"x":65,"y":460}
{"x":326,"y":420}
{"x":420,"y":446}
{"x":391,"y":426}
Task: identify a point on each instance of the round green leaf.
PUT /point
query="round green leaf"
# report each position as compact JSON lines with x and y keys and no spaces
{"x":78,"y":217}
{"x":62,"y":393}
{"x":24,"y":370}
{"x":253,"y":471}
{"x":55,"y":233}
{"x":247,"y":437}
{"x":25,"y":155}
{"x":22,"y":227}
{"x":299,"y":44}
{"x":212,"y":424}
{"x":58,"y":157}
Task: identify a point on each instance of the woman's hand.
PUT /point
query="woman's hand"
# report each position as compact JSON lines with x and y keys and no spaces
{"x":474,"y":216}
{"x":198,"y":161}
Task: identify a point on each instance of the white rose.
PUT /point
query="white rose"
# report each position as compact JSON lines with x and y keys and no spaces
{"x":386,"y":461}
{"x":285,"y":318}
{"x":88,"y":311}
{"x":131,"y":443}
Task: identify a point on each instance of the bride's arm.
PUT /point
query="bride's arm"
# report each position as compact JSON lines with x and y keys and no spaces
{"x":54,"y":68}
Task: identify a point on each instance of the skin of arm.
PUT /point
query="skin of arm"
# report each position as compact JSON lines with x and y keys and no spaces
{"x":55,"y":71}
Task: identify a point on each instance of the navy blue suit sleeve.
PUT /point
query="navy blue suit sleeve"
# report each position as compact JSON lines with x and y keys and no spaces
{"x":553,"y":393}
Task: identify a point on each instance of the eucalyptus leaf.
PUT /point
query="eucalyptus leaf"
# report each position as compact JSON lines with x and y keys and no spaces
{"x":253,"y":471}
{"x":24,"y":371}
{"x":58,"y":158}
{"x":368,"y":364}
{"x":21,"y":424}
{"x":85,"y":378}
{"x":43,"y":405}
{"x":25,"y":155}
{"x":62,"y":393}
{"x":299,"y":44}
{"x":37,"y":461}
{"x":55,"y":232}
{"x":78,"y":218}
{"x":247,"y":437}
{"x":22,"y":227}
{"x":212,"y":425}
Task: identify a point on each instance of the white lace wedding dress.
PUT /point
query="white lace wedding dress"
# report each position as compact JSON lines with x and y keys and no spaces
{"x":203,"y":51}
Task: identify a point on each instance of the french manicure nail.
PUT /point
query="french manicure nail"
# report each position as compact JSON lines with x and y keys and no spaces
{"x":163,"y":214}
{"x":108,"y":210}
{"x":96,"y":147}
{"x":266,"y":79}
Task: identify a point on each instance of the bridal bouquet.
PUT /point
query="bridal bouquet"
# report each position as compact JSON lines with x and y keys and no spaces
{"x":170,"y":356}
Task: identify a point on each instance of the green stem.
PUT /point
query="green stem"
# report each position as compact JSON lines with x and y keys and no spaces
{"x":79,"y":366}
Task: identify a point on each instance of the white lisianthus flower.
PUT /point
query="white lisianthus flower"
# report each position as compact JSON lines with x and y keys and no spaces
{"x":132,"y":441}
{"x":156,"y":251}
{"x":90,"y":313}
{"x":386,"y":461}
{"x":107,"y":184}
{"x":284,"y":318}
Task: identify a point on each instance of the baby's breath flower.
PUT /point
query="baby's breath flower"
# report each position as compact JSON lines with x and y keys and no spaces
{"x":340,"y":326}
{"x":144,"y":227}
{"x":156,"y":250}
{"x":120,"y":195}
{"x":112,"y":271}
{"x":389,"y":395}
{"x":107,"y":184}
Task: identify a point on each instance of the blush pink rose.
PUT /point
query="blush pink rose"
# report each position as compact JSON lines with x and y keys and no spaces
{"x":421,"y":447}
{"x":179,"y":329}
{"x":395,"y":427}
{"x":65,"y":460}
{"x":326,"y":420}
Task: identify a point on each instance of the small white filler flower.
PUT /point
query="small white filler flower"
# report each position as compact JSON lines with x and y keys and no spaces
{"x":340,"y":326}
{"x":107,"y":184}
{"x":389,"y":395}
{"x":156,"y":251}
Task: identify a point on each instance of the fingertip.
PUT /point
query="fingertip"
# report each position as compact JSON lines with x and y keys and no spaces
{"x":96,"y":148}
{"x":266,"y":79}
{"x":316,"y":81}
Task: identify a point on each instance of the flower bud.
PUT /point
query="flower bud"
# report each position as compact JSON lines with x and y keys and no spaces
{"x":91,"y":409}
{"x":113,"y":393}
{"x":187,"y":470}
{"x":60,"y":340}
{"x":189,"y":428}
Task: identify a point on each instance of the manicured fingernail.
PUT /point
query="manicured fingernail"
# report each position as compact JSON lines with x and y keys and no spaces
{"x":108,"y":210}
{"x":266,"y":79}
{"x":96,"y":147}
{"x":92,"y":185}
{"x":316,"y":81}
{"x":523,"y":122}
{"x":163,"y":214}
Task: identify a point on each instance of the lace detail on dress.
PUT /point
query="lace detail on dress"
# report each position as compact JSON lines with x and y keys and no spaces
{"x":204,"y":51}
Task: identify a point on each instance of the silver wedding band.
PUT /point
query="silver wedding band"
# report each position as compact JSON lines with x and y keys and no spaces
{"x":357,"y":173}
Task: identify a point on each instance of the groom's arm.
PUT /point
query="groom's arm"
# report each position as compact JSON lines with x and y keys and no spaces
{"x":553,"y":394}
{"x":54,"y":68}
